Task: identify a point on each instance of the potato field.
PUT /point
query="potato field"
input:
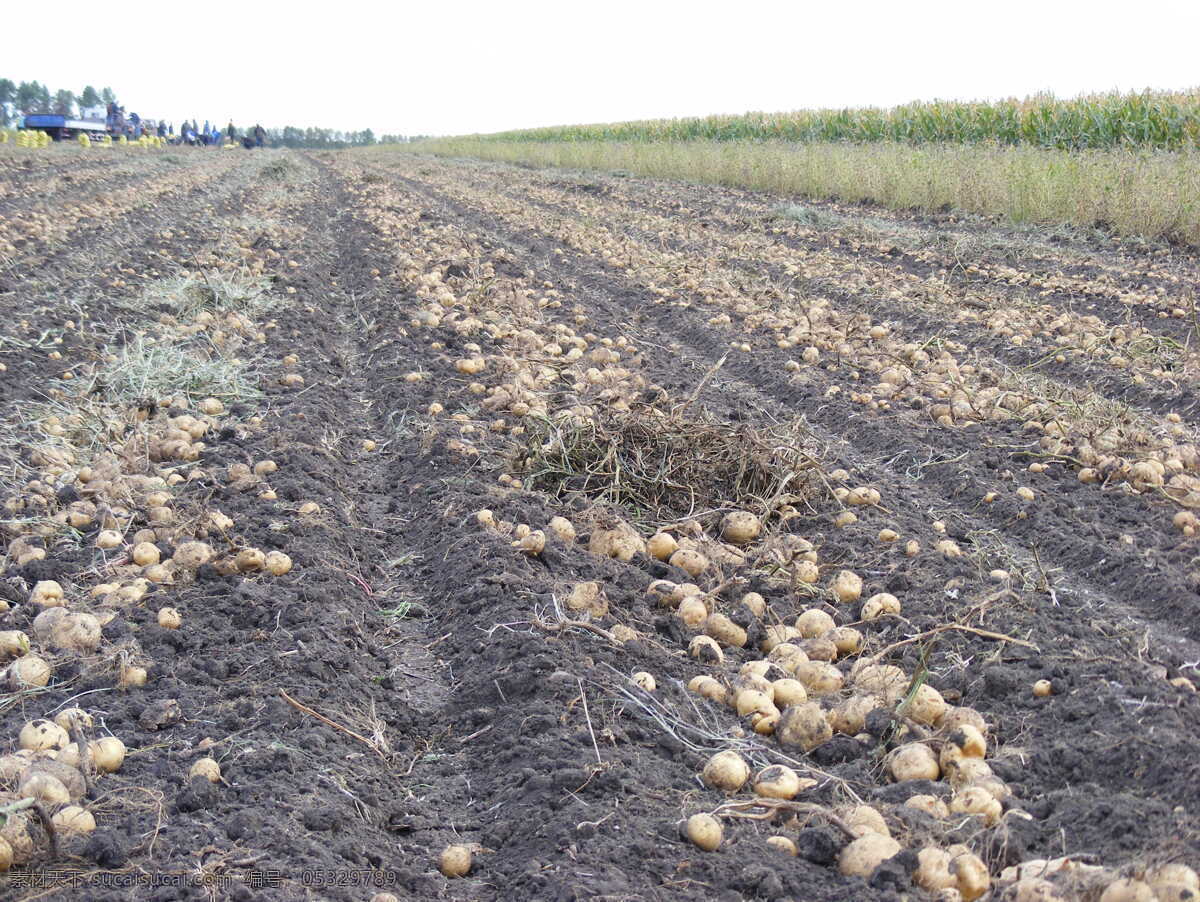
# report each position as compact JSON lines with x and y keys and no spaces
{"x":378,"y":526}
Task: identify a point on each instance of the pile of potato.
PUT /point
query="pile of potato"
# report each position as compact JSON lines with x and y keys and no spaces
{"x":48,"y":767}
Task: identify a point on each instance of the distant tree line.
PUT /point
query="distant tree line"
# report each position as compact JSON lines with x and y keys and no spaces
{"x":290,"y":136}
{"x":35,"y":97}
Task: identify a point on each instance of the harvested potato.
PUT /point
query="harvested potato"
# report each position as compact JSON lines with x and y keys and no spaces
{"x":533,"y":543}
{"x":963,"y":772}
{"x":207,"y":768}
{"x":933,"y":869}
{"x":862,"y":856}
{"x":620,"y":541}
{"x":47,"y":593}
{"x":782,"y":844}
{"x":1126,"y":889}
{"x":644,"y":681}
{"x":926,"y":705}
{"x":1173,"y":873}
{"x":820,"y":649}
{"x":63,"y":773}
{"x":847,"y":586}
{"x":38,"y":735}
{"x":191,"y":555}
{"x":846,"y":639}
{"x":976,"y":800}
{"x":931,"y":805}
{"x":107,"y":539}
{"x":693,"y":563}
{"x":132,"y":676}
{"x":45,"y":788}
{"x":693,"y":612}
{"x":878,"y":605}
{"x":108,"y":754}
{"x":956,"y":716}
{"x":969,"y":741}
{"x":250,"y":560}
{"x":73,"y":819}
{"x":913,"y":761}
{"x":13,"y":644}
{"x":777,"y":782}
{"x":69,"y":717}
{"x":803,"y":726}
{"x":727,"y":771}
{"x":971,"y":875}
{"x":777,"y":634}
{"x":1042,"y":689}
{"x":77,"y":632}
{"x":563,"y":528}
{"x":885,"y":680}
{"x":740,"y":527}
{"x":28,"y":671}
{"x":788,"y":692}
{"x":705,"y":831}
{"x":865,"y":819}
{"x":806,"y":572}
{"x":277,"y":563}
{"x":455,"y":861}
{"x":169,"y":618}
{"x":786,"y":656}
{"x":850,"y":716}
{"x":818,"y":677}
{"x":588,"y":597}
{"x":755,"y":603}
{"x":708,"y":688}
{"x":661,"y":546}
{"x":724,"y":630}
{"x":813,"y":623}
{"x":145,"y":554}
{"x":707,"y":649}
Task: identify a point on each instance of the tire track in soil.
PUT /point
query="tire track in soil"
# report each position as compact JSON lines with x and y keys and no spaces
{"x":1068,"y":786}
{"x":909,"y":318}
{"x":1103,"y":570}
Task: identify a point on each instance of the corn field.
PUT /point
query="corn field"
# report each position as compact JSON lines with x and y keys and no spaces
{"x":1153,"y":120}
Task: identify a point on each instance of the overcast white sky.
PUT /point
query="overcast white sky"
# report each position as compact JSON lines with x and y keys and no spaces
{"x":454,"y":67}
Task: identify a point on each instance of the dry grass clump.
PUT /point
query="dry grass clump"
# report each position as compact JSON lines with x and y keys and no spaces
{"x":145,"y":369}
{"x":674,"y":463}
{"x":215,"y":291}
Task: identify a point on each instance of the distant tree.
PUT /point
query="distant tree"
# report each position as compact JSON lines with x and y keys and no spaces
{"x":44,"y":99}
{"x":107,"y":95}
{"x":89,"y":98}
{"x":28,"y":93}
{"x":8,"y":94}
{"x":63,"y":103}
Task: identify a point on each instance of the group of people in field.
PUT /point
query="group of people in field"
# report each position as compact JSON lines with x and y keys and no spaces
{"x":210,"y":135}
{"x":134,"y":127}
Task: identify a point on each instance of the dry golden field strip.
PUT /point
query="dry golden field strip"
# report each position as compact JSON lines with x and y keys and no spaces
{"x":377,"y":526}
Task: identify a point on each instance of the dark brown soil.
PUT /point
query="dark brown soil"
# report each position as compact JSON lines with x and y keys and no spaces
{"x":473,"y":724}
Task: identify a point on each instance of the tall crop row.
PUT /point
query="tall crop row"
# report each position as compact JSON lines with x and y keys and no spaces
{"x":1158,"y":120}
